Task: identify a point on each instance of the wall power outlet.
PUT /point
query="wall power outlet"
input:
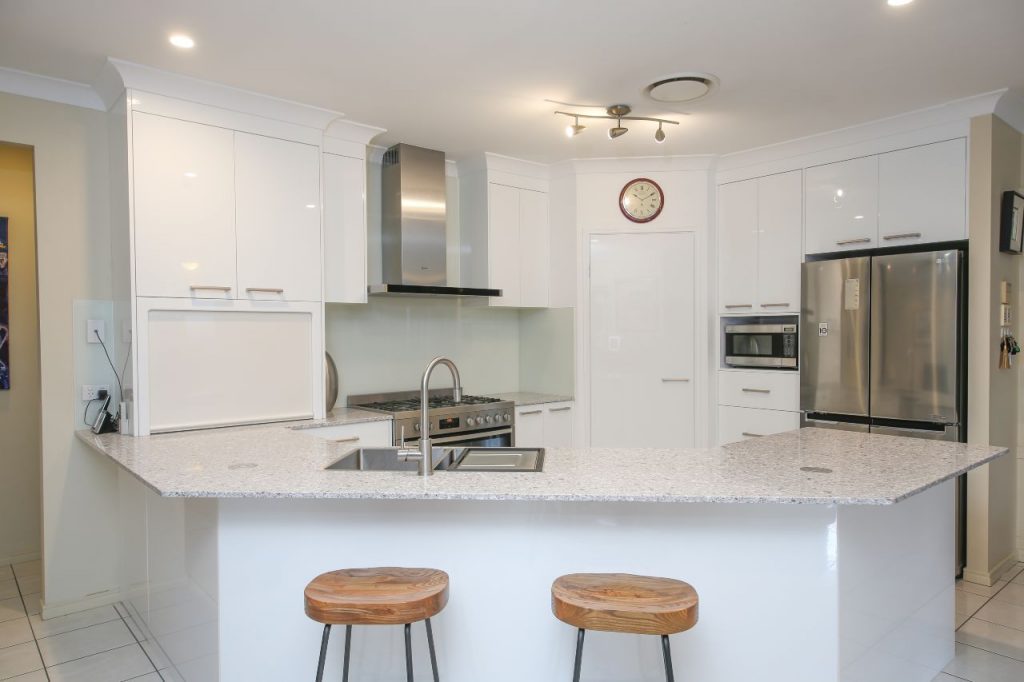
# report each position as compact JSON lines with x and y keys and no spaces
{"x":92,"y":391}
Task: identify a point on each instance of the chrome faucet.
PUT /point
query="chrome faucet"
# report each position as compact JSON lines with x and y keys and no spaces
{"x":425,"y":454}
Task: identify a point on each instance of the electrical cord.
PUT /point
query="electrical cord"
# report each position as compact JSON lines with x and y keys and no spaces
{"x":85,"y":412}
{"x":120,"y":390}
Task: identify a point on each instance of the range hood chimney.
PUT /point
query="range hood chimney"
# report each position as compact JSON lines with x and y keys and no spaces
{"x":413,"y":217}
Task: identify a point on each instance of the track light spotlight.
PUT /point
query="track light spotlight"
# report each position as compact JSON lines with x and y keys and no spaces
{"x":659,"y":135}
{"x":574,"y":129}
{"x":617,"y":131}
{"x":617,"y":113}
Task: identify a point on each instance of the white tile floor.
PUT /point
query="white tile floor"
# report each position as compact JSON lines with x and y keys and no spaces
{"x":91,"y":646}
{"x":990,"y":631}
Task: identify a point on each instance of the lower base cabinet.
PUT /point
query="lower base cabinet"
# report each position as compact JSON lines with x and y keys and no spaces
{"x":544,"y":426}
{"x":740,"y":423}
{"x":361,"y":434}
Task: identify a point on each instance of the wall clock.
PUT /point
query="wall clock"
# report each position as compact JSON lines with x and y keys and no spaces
{"x":641,"y":200}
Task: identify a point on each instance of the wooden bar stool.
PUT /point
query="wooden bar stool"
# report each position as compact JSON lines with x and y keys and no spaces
{"x":619,"y":602}
{"x":376,"y":596}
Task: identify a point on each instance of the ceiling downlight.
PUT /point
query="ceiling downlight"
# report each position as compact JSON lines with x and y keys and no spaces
{"x":684,"y":87}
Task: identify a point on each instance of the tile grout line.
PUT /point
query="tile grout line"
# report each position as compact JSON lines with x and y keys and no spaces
{"x":137,"y":640}
{"x":96,"y":653}
{"x":31,"y":629}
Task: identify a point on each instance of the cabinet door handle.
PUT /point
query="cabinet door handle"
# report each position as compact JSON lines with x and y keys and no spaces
{"x":523,"y":414}
{"x":668,"y":380}
{"x":208,"y":287}
{"x":904,"y":235}
{"x":350,"y":439}
{"x":732,"y":306}
{"x":756,"y":390}
{"x":775,"y":305}
{"x":858,"y":240}
{"x":264,"y":290}
{"x":752,"y":435}
{"x":559,"y":409}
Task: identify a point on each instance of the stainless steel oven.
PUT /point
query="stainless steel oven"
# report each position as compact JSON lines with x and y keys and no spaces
{"x":491,"y":438}
{"x":772,"y":345}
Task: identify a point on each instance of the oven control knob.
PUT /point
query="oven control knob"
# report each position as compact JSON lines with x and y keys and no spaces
{"x":470,"y":422}
{"x":506,"y":417}
{"x":416,"y":427}
{"x":490,"y":419}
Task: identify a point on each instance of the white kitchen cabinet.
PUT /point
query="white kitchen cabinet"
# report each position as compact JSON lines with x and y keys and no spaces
{"x":737,"y":241}
{"x":760,"y":228}
{"x":779,"y":238}
{"x":184,"y":193}
{"x":345,"y":243}
{"x":548,"y":425}
{"x":740,"y":423}
{"x":277,"y":208}
{"x":768,"y":389}
{"x":503,"y":245}
{"x":534,"y":249}
{"x":841,"y":205}
{"x":362,"y":434}
{"x":923,"y":194}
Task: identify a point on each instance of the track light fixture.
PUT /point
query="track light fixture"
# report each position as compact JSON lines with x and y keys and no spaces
{"x":617,"y":113}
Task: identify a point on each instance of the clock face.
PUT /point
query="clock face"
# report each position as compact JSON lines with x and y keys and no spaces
{"x":641,"y":200}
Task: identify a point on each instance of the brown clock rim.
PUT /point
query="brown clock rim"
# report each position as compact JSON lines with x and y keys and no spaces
{"x":622,"y":195}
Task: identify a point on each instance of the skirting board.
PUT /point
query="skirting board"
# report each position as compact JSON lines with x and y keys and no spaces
{"x":19,"y":558}
{"x":68,"y":607}
{"x":991,"y":577}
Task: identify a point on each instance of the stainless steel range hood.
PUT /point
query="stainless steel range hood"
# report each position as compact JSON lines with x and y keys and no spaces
{"x":413,"y":217}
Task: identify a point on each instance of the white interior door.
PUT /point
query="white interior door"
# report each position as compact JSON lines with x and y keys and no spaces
{"x":642,"y":340}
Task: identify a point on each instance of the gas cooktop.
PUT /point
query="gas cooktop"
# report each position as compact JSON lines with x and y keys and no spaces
{"x":413,"y":404}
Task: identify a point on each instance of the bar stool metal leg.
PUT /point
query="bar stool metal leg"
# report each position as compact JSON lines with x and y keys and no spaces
{"x":348,"y":651}
{"x":433,"y":656}
{"x":408,"y":651}
{"x":579,"y":655}
{"x":667,"y":651}
{"x":323,"y":654}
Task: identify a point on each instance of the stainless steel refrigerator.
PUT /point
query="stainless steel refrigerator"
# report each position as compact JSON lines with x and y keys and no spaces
{"x":882,"y":347}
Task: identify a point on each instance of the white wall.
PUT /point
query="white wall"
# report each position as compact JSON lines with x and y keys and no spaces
{"x":72,"y":218}
{"x":546,"y":350}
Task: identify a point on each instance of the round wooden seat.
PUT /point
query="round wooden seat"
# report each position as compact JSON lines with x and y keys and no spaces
{"x":620,"y":602}
{"x":376,"y":596}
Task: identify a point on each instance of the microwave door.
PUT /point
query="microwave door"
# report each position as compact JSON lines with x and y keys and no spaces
{"x":835,"y":341}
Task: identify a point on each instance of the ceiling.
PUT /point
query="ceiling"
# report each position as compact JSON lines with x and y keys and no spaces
{"x":471,"y":75}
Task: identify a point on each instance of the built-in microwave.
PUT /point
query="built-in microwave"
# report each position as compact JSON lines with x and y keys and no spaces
{"x":772,"y":346}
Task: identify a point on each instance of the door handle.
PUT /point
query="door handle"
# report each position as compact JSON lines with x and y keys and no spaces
{"x":523,"y":414}
{"x":669,"y":380}
{"x":350,"y":439}
{"x":752,"y":435}
{"x":208,"y":287}
{"x":756,"y":390}
{"x":732,"y":306}
{"x":905,"y":235}
{"x":775,"y":305}
{"x":858,"y":240}
{"x":559,"y":409}
{"x":264,"y":290}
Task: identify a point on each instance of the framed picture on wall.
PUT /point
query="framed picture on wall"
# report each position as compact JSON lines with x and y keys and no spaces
{"x":1011,"y":236}
{"x":5,"y":309}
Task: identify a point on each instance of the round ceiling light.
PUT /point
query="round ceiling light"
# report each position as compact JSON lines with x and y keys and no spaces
{"x":685,"y":87}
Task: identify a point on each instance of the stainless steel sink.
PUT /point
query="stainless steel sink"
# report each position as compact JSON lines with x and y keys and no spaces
{"x":499,"y":459}
{"x":385,"y":459}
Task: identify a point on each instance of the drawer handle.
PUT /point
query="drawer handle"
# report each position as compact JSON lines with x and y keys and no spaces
{"x":858,"y":240}
{"x":350,"y":439}
{"x":756,"y":390}
{"x":523,"y":414}
{"x":670,"y":380}
{"x":775,"y":305}
{"x":264,"y":290}
{"x":208,"y":287}
{"x":753,"y":435}
{"x":560,"y":409}
{"x":905,"y":235}
{"x":732,"y":306}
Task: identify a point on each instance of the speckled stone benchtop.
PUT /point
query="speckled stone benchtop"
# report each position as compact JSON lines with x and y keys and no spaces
{"x":808,"y":466}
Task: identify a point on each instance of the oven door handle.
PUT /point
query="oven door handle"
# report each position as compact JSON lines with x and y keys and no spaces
{"x":468,"y":436}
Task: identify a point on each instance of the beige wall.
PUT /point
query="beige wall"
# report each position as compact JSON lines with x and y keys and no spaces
{"x":19,"y":407}
{"x":72,"y":228}
{"x":995,"y":166}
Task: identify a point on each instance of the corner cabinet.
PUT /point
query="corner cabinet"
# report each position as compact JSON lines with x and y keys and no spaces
{"x":345,"y":242}
{"x":548,"y":425}
{"x":760,"y":229}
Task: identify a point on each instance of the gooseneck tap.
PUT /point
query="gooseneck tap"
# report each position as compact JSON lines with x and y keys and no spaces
{"x":425,"y":454}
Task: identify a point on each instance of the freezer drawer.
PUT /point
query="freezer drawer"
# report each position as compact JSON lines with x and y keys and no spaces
{"x":828,"y":423}
{"x":914,"y":305}
{"x":949,"y":432}
{"x":834,"y":336}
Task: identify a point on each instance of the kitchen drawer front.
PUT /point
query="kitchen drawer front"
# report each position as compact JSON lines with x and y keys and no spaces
{"x":361,"y":434}
{"x":766,"y":390}
{"x":740,"y":423}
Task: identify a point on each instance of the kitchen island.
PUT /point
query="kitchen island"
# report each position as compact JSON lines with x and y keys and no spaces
{"x":818,"y":555}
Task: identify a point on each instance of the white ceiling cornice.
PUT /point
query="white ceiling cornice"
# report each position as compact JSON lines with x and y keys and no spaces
{"x":50,"y":89}
{"x":1010,"y":108}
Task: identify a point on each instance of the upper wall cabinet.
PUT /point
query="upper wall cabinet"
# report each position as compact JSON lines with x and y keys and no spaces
{"x":184,"y":208}
{"x":910,"y":196}
{"x":759,"y":244}
{"x":345,"y":245}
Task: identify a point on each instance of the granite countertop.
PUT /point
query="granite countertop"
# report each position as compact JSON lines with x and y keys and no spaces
{"x":279,"y":461}
{"x":524,"y":398}
{"x":340,"y":416}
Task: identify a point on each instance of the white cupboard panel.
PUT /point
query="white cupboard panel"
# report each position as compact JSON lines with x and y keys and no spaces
{"x":779,"y":225}
{"x":503,"y":244}
{"x":530,"y":426}
{"x":534,"y":249}
{"x":923,"y":194}
{"x":277,"y":186}
{"x":642,"y":340}
{"x":364,"y":434}
{"x":740,"y":423}
{"x":737,"y":246}
{"x":841,"y":201}
{"x":772,"y":390}
{"x":215,"y":367}
{"x":344,"y":229}
{"x":184,"y":197}
{"x":558,"y":425}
